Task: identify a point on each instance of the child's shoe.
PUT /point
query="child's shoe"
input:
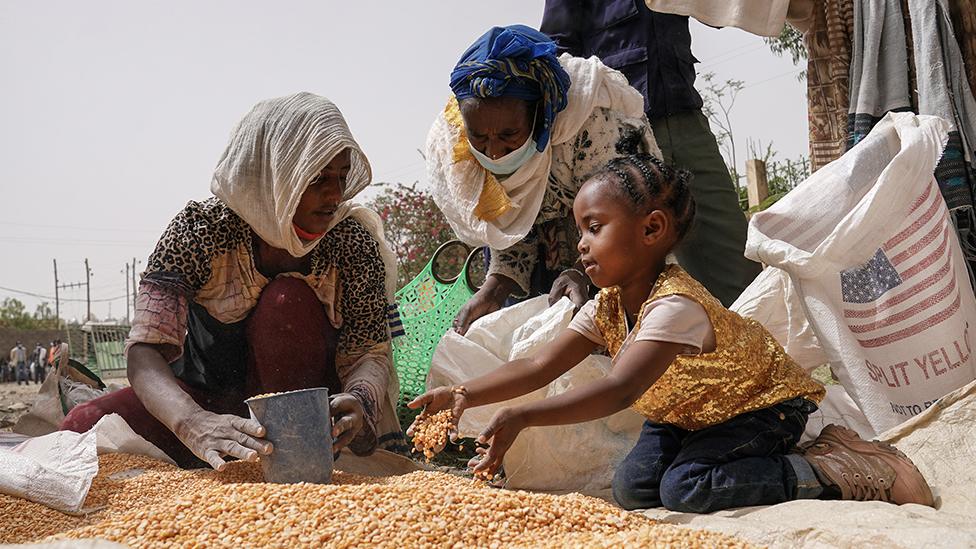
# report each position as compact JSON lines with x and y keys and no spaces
{"x":865,"y":470}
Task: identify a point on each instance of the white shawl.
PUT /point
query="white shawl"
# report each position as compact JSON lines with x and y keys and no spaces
{"x":275,"y":151}
{"x":457,"y":185}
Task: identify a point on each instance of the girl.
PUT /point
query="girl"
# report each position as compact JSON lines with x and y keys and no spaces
{"x":725,"y":405}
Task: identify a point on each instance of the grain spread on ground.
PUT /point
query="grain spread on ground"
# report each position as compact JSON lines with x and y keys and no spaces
{"x":145,"y":503}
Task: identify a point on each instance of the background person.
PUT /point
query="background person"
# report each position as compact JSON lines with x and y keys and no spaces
{"x":654,"y":51}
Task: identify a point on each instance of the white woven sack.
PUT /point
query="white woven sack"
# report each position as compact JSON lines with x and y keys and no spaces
{"x":577,"y":457}
{"x":870,"y":250}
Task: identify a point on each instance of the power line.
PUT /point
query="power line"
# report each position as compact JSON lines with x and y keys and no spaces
{"x":63,"y":241}
{"x":32,"y":294}
{"x":794,"y":71}
{"x":78,"y":228}
{"x":728,"y":52}
{"x":718,"y":60}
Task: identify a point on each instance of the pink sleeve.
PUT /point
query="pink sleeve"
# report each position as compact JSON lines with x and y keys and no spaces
{"x":584,"y":323}
{"x":160,"y":319}
{"x":677,"y":319}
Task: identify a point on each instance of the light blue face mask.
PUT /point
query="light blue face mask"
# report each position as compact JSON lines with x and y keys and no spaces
{"x":510,"y":162}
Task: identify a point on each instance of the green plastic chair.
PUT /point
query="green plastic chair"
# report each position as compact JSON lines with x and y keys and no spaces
{"x":427,"y":305}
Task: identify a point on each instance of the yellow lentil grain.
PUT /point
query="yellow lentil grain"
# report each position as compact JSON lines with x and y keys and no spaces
{"x":168,"y":507}
{"x":430,"y":432}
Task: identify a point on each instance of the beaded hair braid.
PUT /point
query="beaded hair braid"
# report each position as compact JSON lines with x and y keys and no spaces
{"x":649,"y":183}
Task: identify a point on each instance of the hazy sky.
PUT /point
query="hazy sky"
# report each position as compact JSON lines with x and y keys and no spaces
{"x":114,"y":113}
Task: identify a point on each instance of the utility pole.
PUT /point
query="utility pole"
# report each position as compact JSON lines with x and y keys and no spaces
{"x":59,"y":286}
{"x":57,"y":301}
{"x":135,"y":288}
{"x":127,"y":293}
{"x":88,"y":288}
{"x":757,"y":183}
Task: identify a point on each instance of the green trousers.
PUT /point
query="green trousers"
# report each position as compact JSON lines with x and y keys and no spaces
{"x":712,"y":250}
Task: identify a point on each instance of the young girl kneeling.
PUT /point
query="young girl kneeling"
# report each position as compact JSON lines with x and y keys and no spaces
{"x":725,"y":405}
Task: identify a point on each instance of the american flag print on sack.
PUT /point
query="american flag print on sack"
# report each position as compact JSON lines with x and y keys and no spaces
{"x":908,"y":286}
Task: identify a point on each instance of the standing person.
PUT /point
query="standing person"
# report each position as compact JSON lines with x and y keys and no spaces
{"x":40,"y":361}
{"x":50,"y":365}
{"x":18,"y":359}
{"x":276,"y":283}
{"x":507,"y":155}
{"x":725,"y":405}
{"x":654,"y":51}
{"x":4,"y":370}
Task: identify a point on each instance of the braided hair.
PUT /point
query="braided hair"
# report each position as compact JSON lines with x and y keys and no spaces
{"x":648,"y":183}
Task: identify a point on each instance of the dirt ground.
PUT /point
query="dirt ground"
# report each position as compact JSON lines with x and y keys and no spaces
{"x":15,"y":401}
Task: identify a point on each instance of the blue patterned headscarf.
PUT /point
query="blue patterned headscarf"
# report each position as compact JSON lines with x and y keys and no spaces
{"x":514,"y":61}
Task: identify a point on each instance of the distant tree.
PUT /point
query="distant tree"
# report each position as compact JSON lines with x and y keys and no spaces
{"x":44,"y":311}
{"x":719,"y":99}
{"x":790,"y":41}
{"x":782,"y":175}
{"x":13,"y":314}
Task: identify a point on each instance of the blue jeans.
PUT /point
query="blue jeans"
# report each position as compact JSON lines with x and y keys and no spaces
{"x":737,"y":463}
{"x":22,"y":373}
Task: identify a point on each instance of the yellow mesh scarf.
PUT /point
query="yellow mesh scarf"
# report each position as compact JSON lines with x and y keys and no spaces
{"x":493,"y":201}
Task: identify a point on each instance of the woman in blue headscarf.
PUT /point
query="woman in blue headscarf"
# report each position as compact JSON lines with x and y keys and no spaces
{"x":510,"y":150}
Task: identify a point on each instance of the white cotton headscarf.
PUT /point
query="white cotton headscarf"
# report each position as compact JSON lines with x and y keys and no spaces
{"x":457,"y":185}
{"x":274,"y":153}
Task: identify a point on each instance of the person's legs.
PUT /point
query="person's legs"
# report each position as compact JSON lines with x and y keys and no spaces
{"x":742,"y":462}
{"x":291,"y":343}
{"x":713,"y":250}
{"x":22,"y":373}
{"x":637,"y":480}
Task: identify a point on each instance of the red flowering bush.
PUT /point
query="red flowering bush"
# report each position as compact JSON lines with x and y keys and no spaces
{"x":415,"y":227}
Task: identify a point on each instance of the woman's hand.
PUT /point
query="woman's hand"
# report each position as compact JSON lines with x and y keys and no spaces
{"x":573,"y":284}
{"x":348,"y":417}
{"x":500,"y":433}
{"x":212,"y":437}
{"x":490,"y":298}
{"x":436,"y":400}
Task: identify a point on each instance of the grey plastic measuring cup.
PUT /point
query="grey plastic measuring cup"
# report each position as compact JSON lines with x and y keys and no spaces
{"x":298,"y":424}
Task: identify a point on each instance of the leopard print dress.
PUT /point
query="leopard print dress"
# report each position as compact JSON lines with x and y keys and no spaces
{"x":202,"y":276}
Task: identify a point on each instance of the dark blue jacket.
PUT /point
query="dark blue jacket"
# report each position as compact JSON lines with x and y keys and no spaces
{"x":652,"y":49}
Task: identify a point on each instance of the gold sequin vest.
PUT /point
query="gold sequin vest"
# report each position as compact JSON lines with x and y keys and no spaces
{"x":747,"y":371}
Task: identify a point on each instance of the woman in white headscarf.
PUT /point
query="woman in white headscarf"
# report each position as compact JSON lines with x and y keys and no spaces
{"x":276,"y":283}
{"x":507,"y":155}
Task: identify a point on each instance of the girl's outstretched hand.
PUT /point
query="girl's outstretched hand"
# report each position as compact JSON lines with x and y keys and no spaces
{"x":500,"y":433}
{"x":436,"y":400}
